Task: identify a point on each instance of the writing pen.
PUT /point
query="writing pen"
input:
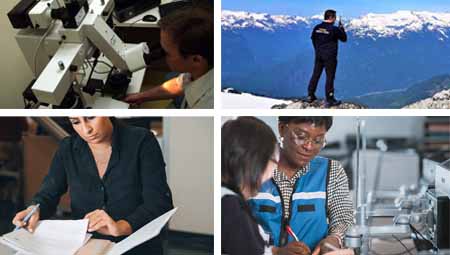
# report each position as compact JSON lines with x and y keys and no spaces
{"x":290,"y":232}
{"x":28,"y":216}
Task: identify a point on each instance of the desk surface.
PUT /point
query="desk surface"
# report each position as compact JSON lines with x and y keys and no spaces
{"x":388,"y":244}
{"x":392,"y":246}
{"x":95,"y":247}
{"x":137,"y":21}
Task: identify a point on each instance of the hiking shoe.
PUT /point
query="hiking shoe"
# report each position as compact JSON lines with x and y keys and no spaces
{"x":332,"y":102}
{"x":311,"y":98}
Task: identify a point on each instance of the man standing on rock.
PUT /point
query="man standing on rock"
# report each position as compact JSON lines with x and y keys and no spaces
{"x":325,"y":37}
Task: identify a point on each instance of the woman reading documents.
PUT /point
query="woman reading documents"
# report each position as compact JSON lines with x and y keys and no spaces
{"x":116,"y":177}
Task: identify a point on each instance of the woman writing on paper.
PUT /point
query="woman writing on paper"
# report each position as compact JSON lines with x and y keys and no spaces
{"x":307,"y":203}
{"x":116,"y":177}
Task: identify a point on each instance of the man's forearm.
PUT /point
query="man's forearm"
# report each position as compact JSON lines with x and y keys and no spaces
{"x":168,"y":90}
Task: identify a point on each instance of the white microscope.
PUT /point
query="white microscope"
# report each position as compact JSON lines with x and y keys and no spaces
{"x":77,"y":59}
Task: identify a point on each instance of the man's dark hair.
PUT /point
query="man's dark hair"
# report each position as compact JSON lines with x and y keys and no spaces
{"x":324,"y":121}
{"x":329,"y":14}
{"x":192,"y":29}
{"x":247,"y":146}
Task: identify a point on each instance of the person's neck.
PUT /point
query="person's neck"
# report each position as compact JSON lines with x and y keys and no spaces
{"x":286,"y":166}
{"x":328,"y":21}
{"x":100,"y":146}
{"x":196,"y":74}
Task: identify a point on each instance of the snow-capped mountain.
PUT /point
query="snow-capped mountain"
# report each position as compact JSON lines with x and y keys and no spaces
{"x":399,"y":23}
{"x":241,"y":19}
{"x":272,"y":55}
{"x":370,"y":25}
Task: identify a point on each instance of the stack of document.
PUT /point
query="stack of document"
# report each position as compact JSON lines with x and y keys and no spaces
{"x":69,"y":237}
{"x":51,"y":237}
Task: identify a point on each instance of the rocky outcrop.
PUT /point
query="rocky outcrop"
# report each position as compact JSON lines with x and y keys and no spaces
{"x":318,"y":104}
{"x":439,"y":100}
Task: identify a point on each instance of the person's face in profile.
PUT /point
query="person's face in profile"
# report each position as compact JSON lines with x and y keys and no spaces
{"x":302,"y":141}
{"x":93,"y":130}
{"x":174,"y":58}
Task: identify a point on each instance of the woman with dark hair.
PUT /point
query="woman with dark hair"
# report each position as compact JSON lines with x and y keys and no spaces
{"x":307,"y":203}
{"x":116,"y":177}
{"x":249,"y":156}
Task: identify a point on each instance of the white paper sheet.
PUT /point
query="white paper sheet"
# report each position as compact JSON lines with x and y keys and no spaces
{"x":51,"y":237}
{"x":145,"y":233}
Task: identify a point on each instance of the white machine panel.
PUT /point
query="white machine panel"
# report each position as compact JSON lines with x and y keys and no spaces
{"x":442,"y":180}
{"x":40,"y":14}
{"x":53,"y":83}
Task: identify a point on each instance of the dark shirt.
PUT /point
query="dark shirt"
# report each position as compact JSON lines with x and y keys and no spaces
{"x":240,"y":234}
{"x":325,"y":38}
{"x":134,"y":187}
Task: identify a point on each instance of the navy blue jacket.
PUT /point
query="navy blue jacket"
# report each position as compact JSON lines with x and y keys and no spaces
{"x":325,"y":37}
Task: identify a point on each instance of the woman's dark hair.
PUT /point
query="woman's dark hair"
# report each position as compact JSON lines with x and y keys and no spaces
{"x":325,"y":121}
{"x":65,"y":123}
{"x":192,"y":29}
{"x":247,"y":146}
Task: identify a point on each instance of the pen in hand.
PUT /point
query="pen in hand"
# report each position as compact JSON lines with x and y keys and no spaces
{"x":28,"y":216}
{"x":291,"y":232}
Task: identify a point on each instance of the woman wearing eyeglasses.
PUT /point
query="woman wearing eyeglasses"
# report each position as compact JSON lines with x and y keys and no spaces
{"x":307,"y":203}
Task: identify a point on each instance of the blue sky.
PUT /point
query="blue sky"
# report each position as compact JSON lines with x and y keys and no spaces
{"x":346,"y":8}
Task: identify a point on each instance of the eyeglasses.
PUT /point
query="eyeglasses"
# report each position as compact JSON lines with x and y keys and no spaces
{"x":303,"y":138}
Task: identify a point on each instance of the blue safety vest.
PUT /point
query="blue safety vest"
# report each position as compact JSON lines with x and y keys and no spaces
{"x":308,"y":207}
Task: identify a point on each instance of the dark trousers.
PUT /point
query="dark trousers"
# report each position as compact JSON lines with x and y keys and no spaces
{"x":330,"y":69}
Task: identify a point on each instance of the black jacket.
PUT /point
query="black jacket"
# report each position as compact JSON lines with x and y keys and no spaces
{"x":325,"y":38}
{"x":240,"y":234}
{"x":134,"y":187}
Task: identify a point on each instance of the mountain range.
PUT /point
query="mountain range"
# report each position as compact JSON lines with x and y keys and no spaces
{"x":402,"y":97}
{"x":272,"y":55}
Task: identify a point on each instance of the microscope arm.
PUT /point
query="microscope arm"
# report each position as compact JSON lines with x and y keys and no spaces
{"x":55,"y":80}
{"x":122,"y":56}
